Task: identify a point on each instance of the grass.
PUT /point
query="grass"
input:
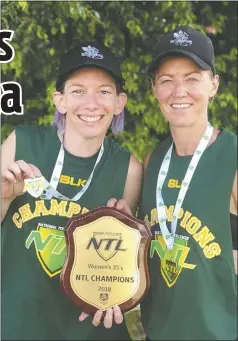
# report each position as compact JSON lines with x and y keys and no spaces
{"x":133,"y":322}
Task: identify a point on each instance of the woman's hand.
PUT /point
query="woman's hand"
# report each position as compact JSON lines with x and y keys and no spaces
{"x":13,"y":178}
{"x":120,"y":204}
{"x":113,"y":315}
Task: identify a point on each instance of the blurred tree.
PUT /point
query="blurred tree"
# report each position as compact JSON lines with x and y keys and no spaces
{"x":45,"y":30}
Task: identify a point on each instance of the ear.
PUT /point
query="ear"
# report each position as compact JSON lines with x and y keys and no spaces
{"x":121,"y":103}
{"x":58,"y":99}
{"x":215,"y":86}
{"x":154,"y":90}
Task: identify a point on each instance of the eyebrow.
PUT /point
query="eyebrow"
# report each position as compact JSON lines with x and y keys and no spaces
{"x":186,"y":74}
{"x":106,"y":85}
{"x":83,"y":86}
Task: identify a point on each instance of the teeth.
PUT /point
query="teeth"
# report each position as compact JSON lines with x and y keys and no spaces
{"x":180,"y":106}
{"x":90,"y":118}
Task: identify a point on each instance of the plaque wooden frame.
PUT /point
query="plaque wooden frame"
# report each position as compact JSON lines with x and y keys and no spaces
{"x":79,"y":221}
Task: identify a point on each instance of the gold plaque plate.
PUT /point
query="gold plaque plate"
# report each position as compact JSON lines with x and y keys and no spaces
{"x":106,"y":260}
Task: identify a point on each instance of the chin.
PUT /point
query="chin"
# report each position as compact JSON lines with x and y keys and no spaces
{"x":93,"y":132}
{"x":180,"y":123}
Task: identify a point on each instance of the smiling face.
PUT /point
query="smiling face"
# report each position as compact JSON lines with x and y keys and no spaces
{"x":89,"y":101}
{"x":183,"y":91}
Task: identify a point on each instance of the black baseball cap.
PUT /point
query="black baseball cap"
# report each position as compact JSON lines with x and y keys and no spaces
{"x":187,"y":42}
{"x":88,"y":54}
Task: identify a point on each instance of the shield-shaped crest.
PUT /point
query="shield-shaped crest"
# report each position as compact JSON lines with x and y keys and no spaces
{"x":106,"y":263}
{"x":107,"y":246}
{"x":171,"y":265}
{"x":104,"y":298}
{"x":50,"y":249}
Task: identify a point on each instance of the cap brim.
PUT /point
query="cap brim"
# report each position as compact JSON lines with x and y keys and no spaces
{"x":66,"y":74}
{"x":156,"y":61}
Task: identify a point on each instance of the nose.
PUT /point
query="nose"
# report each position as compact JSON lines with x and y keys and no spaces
{"x":91,"y":102}
{"x":180,"y":90}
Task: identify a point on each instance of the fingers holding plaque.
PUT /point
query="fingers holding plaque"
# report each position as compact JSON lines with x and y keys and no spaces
{"x":106,"y":262}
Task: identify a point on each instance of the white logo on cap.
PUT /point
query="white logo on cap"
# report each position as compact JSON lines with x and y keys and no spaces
{"x":91,"y":52}
{"x":181,"y":38}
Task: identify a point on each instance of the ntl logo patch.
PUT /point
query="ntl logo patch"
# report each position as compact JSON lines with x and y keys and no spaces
{"x":50,"y":248}
{"x":172,"y":261}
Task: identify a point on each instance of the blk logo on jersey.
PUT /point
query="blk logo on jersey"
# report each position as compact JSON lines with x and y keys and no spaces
{"x":69,"y":180}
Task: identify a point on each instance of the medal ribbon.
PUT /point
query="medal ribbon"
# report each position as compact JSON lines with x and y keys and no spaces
{"x":167,"y":235}
{"x":46,"y":190}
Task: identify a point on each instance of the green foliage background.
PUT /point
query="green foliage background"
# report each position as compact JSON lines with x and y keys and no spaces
{"x":44,"y":30}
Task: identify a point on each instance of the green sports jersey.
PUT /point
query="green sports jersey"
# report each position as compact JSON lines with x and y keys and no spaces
{"x":34,"y":306}
{"x":193,"y":293}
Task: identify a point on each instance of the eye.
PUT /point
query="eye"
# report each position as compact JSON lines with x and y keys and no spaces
{"x":166,"y":81}
{"x":104,"y":92}
{"x":192,"y":80}
{"x":78,"y":92}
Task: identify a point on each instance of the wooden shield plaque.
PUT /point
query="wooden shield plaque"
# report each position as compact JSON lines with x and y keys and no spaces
{"x":106,"y":260}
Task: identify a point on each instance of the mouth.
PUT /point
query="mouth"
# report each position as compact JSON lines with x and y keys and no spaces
{"x":179,"y":106}
{"x":90,"y":119}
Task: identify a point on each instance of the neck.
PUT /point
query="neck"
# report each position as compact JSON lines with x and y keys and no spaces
{"x":186,"y":139}
{"x":80,"y":146}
